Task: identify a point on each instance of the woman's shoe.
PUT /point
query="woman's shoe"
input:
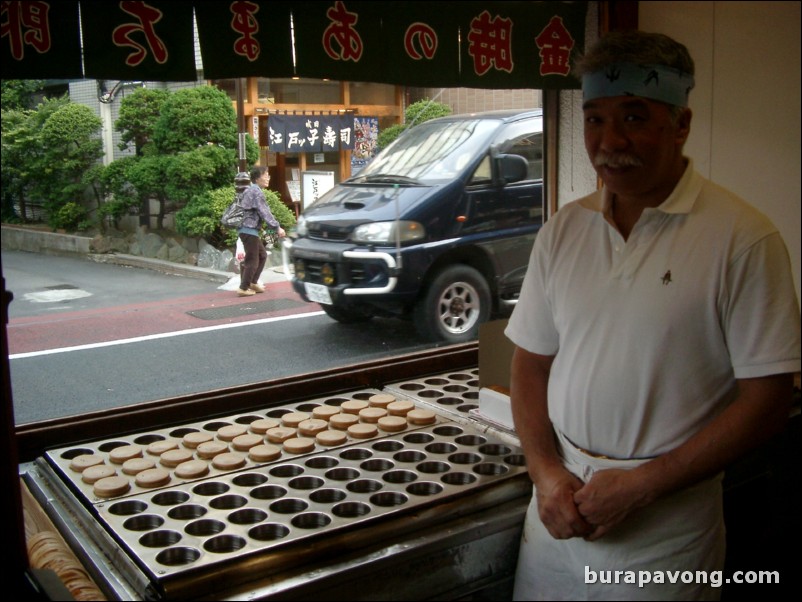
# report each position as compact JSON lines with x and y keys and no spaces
{"x":257,"y":288}
{"x":242,"y":293}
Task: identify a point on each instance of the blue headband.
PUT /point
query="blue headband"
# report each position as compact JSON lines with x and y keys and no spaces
{"x":657,"y":82}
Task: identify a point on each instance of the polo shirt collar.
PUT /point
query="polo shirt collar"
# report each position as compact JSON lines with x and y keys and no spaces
{"x":681,"y":200}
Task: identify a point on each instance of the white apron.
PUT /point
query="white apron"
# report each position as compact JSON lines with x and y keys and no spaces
{"x":680,"y":538}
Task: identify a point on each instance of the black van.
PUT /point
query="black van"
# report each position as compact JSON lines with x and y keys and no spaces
{"x":437,"y":228}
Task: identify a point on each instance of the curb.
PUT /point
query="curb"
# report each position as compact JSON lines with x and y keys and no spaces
{"x":159,"y":265}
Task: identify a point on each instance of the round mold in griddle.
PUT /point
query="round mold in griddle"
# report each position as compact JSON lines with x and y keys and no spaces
{"x":447,"y":430}
{"x":419,"y":438}
{"x":412,"y":386}
{"x":322,"y":462}
{"x":110,"y":445}
{"x":289,"y":505}
{"x":387,"y":446}
{"x":430,"y":394}
{"x":143,"y":522}
{"x":471,"y":440}
{"x":410,"y":455}
{"x":306,"y":482}
{"x":311,"y":520}
{"x":433,"y":466}
{"x":490,"y":469}
{"x":224,"y":544}
{"x":494,"y":449}
{"x":267,"y":492}
{"x":387,"y":499}
{"x":327,"y":496}
{"x":364,"y":486}
{"x":458,"y":478}
{"x":435,"y":382}
{"x":400,"y":476}
{"x":247,"y":419}
{"x":269,"y":532}
{"x":335,"y":401}
{"x":356,"y":453}
{"x":441,"y":447}
{"x":160,"y":539}
{"x":464,"y":458}
{"x":247,"y":516}
{"x":287,"y":470}
{"x":128,"y":507}
{"x":376,"y":465}
{"x":210,"y":488}
{"x":205,"y":527}
{"x":461,"y":389}
{"x":170,"y":498}
{"x":148,"y":439}
{"x":180,"y":433}
{"x":465,"y":408}
{"x":450,"y":400}
{"x":213,"y":427}
{"x":460,"y":376}
{"x":178,"y":556}
{"x":249,"y":479}
{"x":79,"y":451}
{"x":228,"y":502}
{"x":424,"y":488}
{"x":187,"y":512}
{"x":342,"y":473}
{"x":350,"y":509}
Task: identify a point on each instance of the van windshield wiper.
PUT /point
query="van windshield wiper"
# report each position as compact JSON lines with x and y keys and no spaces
{"x":387,"y":179}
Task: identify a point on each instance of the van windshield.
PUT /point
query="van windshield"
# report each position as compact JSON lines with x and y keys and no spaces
{"x":428,"y":152}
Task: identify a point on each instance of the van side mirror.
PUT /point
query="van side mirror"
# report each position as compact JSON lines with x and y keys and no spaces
{"x":512,"y":168}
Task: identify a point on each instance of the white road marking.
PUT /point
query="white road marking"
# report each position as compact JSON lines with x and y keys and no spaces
{"x":56,"y":295}
{"x":163,"y":335}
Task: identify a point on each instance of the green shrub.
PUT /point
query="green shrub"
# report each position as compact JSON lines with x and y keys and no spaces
{"x":70,"y":216}
{"x":201,"y":216}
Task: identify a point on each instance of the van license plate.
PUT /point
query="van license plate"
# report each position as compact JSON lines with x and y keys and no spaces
{"x":317,"y":293}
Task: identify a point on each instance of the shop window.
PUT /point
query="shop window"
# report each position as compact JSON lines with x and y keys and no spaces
{"x":363,"y":93}
{"x":298,"y":91}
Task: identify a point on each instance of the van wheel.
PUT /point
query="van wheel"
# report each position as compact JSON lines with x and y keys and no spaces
{"x":346,"y":316}
{"x":455,"y":304}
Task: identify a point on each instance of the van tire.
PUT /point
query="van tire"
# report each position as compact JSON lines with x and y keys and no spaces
{"x":346,"y":316}
{"x":456,"y":302}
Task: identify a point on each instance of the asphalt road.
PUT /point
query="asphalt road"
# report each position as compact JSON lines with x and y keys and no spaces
{"x":85,"y":336}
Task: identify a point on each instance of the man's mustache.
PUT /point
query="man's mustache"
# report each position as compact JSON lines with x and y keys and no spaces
{"x":615,"y":160}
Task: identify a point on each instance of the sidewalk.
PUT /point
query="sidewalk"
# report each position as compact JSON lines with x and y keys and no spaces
{"x":270,"y":274}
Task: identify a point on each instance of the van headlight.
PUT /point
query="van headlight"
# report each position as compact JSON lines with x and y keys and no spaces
{"x":385,"y":232}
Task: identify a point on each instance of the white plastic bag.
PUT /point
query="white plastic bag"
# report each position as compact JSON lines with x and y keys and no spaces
{"x":240,"y":254}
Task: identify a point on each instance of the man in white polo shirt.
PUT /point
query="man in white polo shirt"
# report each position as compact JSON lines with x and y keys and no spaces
{"x":656,"y":336}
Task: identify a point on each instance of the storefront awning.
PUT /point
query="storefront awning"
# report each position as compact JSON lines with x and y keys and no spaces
{"x":448,"y":44}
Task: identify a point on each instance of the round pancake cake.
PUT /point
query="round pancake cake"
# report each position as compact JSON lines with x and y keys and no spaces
{"x":381,"y":400}
{"x":121,"y":454}
{"x":261,"y":426}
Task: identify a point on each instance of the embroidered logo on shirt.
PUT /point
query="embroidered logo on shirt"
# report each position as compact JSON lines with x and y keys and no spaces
{"x":667,"y":278}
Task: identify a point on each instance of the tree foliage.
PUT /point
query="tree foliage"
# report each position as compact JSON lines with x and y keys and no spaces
{"x":201,"y":216}
{"x":16,"y":94}
{"x":186,"y":143}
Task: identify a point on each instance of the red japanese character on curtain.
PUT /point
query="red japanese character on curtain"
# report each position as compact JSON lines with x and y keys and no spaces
{"x":244,"y":22}
{"x":420,"y":36}
{"x":490,"y":43}
{"x":342,"y":33}
{"x":147,"y":17}
{"x":26,"y":23}
{"x":555,"y":44}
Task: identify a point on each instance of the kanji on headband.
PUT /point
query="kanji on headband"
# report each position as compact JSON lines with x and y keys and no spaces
{"x":656,"y":82}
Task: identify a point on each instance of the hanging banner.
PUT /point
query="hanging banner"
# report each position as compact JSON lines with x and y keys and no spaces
{"x":366,"y":135}
{"x":340,"y":40}
{"x":423,"y":48}
{"x":310,"y":133}
{"x":250,"y":39}
{"x":516,"y":44}
{"x":151,"y":40}
{"x":40,"y":40}
{"x":450,"y":44}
